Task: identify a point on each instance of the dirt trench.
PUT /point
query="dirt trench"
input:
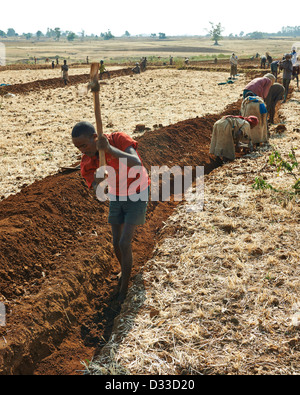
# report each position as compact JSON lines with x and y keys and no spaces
{"x":53,"y":83}
{"x":58,"y":273}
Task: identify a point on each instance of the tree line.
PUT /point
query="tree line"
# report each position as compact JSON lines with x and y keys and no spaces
{"x":57,"y":33}
{"x":215,"y":33}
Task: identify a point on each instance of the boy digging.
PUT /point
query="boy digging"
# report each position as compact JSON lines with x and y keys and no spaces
{"x":128,"y":190}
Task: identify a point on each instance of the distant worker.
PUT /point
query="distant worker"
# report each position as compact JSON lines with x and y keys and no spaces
{"x":296,"y":69}
{"x":263,"y":61}
{"x":103,"y":70}
{"x":233,"y":65}
{"x":65,"y":72}
{"x":87,"y":60}
{"x":53,"y":65}
{"x":259,"y":86}
{"x":269,"y":59}
{"x":275,"y":94}
{"x":186,"y":61}
{"x":143,"y":64}
{"x":137,"y":69}
{"x":287,"y":66}
{"x":294,"y":56}
{"x":274,"y":68}
{"x":171,"y":60}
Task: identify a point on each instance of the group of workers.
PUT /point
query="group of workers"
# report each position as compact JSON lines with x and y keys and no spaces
{"x":289,"y":64}
{"x":260,"y":96}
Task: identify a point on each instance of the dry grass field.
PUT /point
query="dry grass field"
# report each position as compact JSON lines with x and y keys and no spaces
{"x":125,"y":49}
{"x":213,"y":291}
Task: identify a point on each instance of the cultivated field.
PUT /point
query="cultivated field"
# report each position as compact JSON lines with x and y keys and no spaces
{"x":213,"y":291}
{"x":124,"y":49}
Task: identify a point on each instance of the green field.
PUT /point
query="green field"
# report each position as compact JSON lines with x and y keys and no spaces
{"x":123,"y":49}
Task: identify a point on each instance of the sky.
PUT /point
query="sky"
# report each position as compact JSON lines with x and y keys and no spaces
{"x":174,"y":18}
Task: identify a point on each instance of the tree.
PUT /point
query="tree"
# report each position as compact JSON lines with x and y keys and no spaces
{"x":27,"y":35}
{"x":49,"y":32}
{"x":107,"y":35}
{"x":11,"y":32}
{"x":2,"y":33}
{"x":215,"y":32}
{"x":39,"y":34}
{"x":290,"y":31}
{"x":255,"y":35}
{"x":127,"y":34}
{"x":57,"y":33}
{"x":162,"y":36}
{"x":71,"y":36}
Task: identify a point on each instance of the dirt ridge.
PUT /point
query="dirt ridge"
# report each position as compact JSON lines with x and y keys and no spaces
{"x":53,"y":83}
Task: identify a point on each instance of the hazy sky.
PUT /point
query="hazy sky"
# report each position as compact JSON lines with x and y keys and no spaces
{"x":185,"y":17}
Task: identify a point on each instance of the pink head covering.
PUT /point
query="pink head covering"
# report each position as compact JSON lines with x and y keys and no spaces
{"x":251,"y":119}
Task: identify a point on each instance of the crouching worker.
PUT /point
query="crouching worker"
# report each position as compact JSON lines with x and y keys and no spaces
{"x":128,"y":188}
{"x":275,"y":94}
{"x":259,"y":86}
{"x":231,"y":133}
{"x":136,"y":69}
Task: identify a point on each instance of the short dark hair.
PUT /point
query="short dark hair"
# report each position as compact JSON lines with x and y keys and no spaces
{"x":83,"y":129}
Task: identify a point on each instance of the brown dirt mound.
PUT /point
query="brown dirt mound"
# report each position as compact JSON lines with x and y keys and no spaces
{"x":19,"y":66}
{"x":245,"y":65}
{"x":57,"y":268}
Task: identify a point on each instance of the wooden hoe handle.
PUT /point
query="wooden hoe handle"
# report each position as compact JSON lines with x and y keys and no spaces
{"x":95,"y":88}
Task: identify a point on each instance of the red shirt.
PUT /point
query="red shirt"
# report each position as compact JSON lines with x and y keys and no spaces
{"x":125,"y":176}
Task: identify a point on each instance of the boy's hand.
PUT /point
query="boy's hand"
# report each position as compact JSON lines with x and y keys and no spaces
{"x":102,"y":144}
